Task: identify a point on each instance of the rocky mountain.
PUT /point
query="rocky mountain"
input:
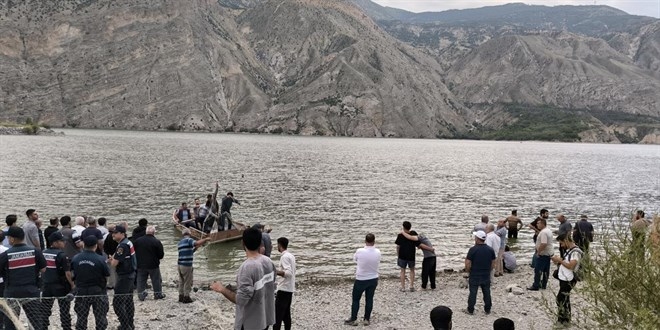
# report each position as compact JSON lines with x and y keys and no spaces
{"x":331,"y":67}
{"x":306,"y":67}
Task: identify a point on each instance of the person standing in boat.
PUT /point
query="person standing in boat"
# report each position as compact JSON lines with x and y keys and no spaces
{"x":225,"y":210}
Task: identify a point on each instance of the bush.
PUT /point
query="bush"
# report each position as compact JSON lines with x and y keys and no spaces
{"x":621,"y":285}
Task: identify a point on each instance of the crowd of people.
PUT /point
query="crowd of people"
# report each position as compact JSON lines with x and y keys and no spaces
{"x":74,"y":260}
{"x":77,"y":261}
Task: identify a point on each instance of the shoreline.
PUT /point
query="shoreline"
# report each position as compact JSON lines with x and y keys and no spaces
{"x":324,"y":303}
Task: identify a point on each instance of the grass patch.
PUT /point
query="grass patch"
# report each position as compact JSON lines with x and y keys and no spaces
{"x":542,"y":123}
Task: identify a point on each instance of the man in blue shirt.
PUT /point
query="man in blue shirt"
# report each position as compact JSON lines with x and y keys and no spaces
{"x":90,"y":271}
{"x":126,"y":264}
{"x":478,"y":263}
{"x":187,"y":247}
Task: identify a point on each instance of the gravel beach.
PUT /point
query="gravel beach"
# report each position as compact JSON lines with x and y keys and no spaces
{"x":324,"y":304}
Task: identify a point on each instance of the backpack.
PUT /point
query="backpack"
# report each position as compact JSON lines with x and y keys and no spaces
{"x":578,"y":272}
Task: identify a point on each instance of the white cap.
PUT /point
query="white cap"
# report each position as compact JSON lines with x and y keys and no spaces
{"x":480,"y":234}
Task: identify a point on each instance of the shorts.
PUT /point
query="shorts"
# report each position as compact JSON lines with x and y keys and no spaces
{"x":403,"y":264}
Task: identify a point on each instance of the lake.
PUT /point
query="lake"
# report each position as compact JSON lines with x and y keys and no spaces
{"x":323,"y":193}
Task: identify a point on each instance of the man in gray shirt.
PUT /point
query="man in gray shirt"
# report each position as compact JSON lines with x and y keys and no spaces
{"x":254,"y":297}
{"x":31,"y":230}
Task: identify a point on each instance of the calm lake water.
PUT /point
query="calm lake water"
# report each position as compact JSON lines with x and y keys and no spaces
{"x":324,"y":194}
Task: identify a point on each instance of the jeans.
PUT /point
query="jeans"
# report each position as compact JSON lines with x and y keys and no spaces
{"x":541,"y":272}
{"x":156,"y":281}
{"x":369,"y":288}
{"x":535,"y":257}
{"x":475,"y":284}
{"x":221,"y":223}
{"x":59,"y":291}
{"x":96,"y":299}
{"x":283,"y":310}
{"x":122,"y":303}
{"x":564,"y":301}
{"x":428,"y":271}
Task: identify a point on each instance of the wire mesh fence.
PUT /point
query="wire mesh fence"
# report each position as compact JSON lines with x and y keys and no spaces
{"x":114,"y":311}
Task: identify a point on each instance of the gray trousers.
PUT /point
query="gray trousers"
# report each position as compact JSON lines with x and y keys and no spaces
{"x":156,"y":280}
{"x":185,"y":280}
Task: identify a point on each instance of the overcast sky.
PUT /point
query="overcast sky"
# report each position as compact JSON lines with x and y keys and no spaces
{"x":635,"y":7}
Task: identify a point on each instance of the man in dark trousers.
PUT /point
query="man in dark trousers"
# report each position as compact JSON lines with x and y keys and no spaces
{"x":126,"y":264}
{"x":479,"y":263}
{"x":20,"y":266}
{"x":225,"y":211}
{"x":90,"y":271}
{"x":149,"y":252}
{"x":583,"y":233}
{"x":57,"y":279}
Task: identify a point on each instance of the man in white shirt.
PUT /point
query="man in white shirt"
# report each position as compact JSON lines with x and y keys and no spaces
{"x":493,"y":241}
{"x":79,"y":227}
{"x":366,"y":279}
{"x":286,"y":287}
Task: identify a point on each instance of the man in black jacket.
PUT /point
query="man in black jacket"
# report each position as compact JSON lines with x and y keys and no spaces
{"x":149,"y":252}
{"x":57,"y":279}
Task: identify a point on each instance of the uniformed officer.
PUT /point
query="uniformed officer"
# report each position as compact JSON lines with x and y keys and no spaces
{"x":19,"y":267}
{"x":57,"y":279}
{"x":89,"y":272}
{"x":126,"y":264}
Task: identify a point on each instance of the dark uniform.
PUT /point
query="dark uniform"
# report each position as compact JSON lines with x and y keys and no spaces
{"x":57,"y":285}
{"x":19,"y":267}
{"x":122,"y":303}
{"x":89,"y":272}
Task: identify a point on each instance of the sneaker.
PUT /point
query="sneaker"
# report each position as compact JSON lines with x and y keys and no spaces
{"x":412,"y":289}
{"x":159,"y":296}
{"x":143,"y":295}
{"x":467,"y":311}
{"x":365,"y":322}
{"x":351,"y":322}
{"x":531,"y":288}
{"x":487,"y":312}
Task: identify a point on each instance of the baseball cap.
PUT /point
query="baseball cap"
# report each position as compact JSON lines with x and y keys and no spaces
{"x":56,"y":236}
{"x":16,"y":232}
{"x":480,"y":234}
{"x":119,"y":229}
{"x":90,"y":241}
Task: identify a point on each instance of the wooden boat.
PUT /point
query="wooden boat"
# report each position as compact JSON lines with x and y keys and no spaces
{"x":233,"y":234}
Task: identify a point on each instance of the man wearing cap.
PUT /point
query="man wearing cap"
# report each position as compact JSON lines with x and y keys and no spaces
{"x":89,"y":272}
{"x":57,"y":279}
{"x":441,"y":318}
{"x":30,"y":229}
{"x":149,"y":251}
{"x":479,"y":263}
{"x":126,"y":264}
{"x":187,"y":247}
{"x":20,"y":266}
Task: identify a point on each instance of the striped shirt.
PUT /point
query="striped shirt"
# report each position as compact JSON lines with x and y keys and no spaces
{"x":186,"y":249}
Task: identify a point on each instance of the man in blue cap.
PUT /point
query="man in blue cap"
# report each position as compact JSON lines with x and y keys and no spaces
{"x":126,"y":264}
{"x":57,"y":279}
{"x":90,"y":271}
